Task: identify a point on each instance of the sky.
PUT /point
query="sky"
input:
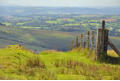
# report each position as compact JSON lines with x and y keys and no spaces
{"x":62,"y":3}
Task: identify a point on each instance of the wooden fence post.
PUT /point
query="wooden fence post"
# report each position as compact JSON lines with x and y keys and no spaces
{"x":92,"y":39}
{"x":88,"y":39}
{"x":84,"y":44}
{"x":102,"y":41}
{"x":76,"y":43}
{"x":81,"y":40}
{"x":72,"y":44}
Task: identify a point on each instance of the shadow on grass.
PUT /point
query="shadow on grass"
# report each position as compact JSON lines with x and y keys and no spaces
{"x":111,"y":60}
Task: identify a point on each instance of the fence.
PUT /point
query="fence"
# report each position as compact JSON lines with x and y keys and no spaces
{"x":102,"y":41}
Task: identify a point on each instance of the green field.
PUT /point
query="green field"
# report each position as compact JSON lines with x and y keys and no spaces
{"x":19,"y":63}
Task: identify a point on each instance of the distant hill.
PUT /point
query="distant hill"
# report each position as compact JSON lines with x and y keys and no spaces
{"x":8,"y":10}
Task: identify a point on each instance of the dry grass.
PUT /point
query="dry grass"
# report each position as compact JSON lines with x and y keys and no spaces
{"x":35,"y":62}
{"x":112,"y":53}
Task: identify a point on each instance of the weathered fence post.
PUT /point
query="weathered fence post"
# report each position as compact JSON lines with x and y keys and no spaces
{"x":72,"y":44}
{"x":102,"y":41}
{"x":81,"y":40}
{"x":76,"y":43}
{"x":92,"y":39}
{"x":88,"y":39}
{"x":84,"y":44}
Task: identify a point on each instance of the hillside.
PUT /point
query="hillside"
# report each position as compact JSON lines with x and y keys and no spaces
{"x":35,"y":39}
{"x":39,"y":40}
{"x":17,"y":62}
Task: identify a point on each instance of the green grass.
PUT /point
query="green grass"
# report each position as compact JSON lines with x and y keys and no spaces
{"x":17,"y":62}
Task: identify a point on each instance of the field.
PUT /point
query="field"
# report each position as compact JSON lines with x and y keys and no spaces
{"x":61,"y":19}
{"x":64,"y":23}
{"x":19,"y":63}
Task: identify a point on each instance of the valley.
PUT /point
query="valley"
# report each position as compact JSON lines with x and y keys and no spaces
{"x":47,"y":28}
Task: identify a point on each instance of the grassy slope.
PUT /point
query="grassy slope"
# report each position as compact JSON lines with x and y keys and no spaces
{"x":16,"y":62}
{"x":36,"y":39}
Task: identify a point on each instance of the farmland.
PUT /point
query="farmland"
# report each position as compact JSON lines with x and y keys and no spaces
{"x":60,"y":20}
{"x":65,"y":23}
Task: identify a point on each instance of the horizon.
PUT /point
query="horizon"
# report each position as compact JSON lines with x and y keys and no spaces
{"x":57,"y":7}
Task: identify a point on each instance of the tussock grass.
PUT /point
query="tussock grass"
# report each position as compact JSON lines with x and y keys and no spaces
{"x":19,"y":63}
{"x":35,"y":62}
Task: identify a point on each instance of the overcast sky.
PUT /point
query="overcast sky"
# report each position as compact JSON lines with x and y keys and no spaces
{"x":63,"y":3}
